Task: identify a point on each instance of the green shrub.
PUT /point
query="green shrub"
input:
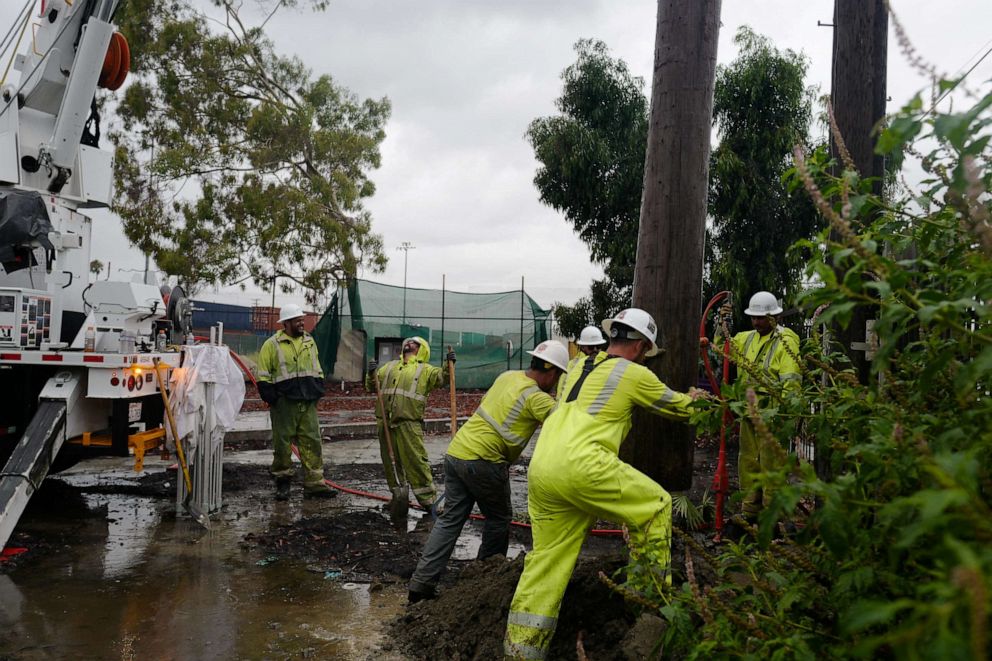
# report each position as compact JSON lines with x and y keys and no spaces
{"x":893,"y":554}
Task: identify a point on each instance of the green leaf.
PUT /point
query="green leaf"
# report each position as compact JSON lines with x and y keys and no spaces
{"x":871,"y":612}
{"x":839,"y":312}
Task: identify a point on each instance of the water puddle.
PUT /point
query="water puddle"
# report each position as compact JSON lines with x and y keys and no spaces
{"x":122,"y":577}
{"x":133,"y":581}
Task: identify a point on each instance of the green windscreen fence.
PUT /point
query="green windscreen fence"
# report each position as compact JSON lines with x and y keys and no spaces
{"x":489,"y":332}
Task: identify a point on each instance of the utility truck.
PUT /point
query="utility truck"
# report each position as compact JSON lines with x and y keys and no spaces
{"x":77,"y":358}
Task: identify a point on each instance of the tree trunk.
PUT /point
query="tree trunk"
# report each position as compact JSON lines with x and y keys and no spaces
{"x":857,"y":95}
{"x":668,"y":276}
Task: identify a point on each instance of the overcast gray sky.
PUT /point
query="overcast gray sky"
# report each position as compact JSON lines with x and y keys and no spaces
{"x":466,"y":77}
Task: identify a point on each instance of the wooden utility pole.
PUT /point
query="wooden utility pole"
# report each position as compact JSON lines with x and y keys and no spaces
{"x":858,"y":95}
{"x":668,"y":276}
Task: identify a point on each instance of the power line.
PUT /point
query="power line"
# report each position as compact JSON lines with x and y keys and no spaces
{"x":961,"y":79}
{"x":974,"y":55}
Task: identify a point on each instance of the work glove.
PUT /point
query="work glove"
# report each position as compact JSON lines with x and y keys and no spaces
{"x":268,"y":392}
{"x":373,"y":366}
{"x":450,"y":357}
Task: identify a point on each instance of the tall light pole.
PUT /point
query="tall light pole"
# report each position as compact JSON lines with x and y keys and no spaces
{"x":406,"y":247}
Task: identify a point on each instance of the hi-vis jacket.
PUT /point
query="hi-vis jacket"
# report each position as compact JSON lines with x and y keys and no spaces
{"x":293,"y":366}
{"x":501,"y":427}
{"x":574,"y":364}
{"x":599,"y":416}
{"x":405,"y":386}
{"x":768,"y":354}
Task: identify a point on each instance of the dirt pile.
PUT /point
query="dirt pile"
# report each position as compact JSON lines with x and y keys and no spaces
{"x":468,"y":619}
{"x":354,"y":546}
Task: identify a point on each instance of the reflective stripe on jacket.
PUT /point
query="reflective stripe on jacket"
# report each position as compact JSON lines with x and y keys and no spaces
{"x":501,"y":427}
{"x":293,"y":365}
{"x":405,"y":386}
{"x":768,"y":353}
{"x":600,"y":416}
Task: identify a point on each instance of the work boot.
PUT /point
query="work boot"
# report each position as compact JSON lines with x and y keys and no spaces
{"x":318,"y":491}
{"x":282,"y":489}
{"x":416,"y":595}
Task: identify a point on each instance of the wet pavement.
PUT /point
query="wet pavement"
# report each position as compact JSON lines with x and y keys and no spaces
{"x":128,"y":579}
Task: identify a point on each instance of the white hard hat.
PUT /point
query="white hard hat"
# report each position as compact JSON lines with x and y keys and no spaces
{"x":590,"y":337}
{"x":290,"y":311}
{"x":552,"y":351}
{"x":761,"y":304}
{"x":637,"y":320}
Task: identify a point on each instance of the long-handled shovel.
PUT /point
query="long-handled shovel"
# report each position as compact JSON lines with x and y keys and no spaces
{"x":191,"y":509}
{"x":454,"y":405}
{"x":399,"y":506}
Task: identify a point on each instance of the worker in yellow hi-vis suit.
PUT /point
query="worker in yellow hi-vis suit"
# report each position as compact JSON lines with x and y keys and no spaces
{"x":405,"y":384}
{"x":769,"y":350}
{"x":575,"y":476}
{"x":589,"y":342}
{"x":290,"y":381}
{"x":477,"y":464}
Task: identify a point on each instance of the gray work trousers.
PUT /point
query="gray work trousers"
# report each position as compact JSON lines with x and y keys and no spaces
{"x":465,"y":484}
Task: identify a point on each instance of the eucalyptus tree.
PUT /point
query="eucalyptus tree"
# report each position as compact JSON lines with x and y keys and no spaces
{"x":592,"y":164}
{"x":761,"y":108}
{"x":236,"y":163}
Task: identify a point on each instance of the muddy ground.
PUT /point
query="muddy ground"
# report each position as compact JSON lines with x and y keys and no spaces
{"x":349,"y":540}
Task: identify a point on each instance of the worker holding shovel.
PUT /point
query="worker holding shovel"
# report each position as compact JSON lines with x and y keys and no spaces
{"x":403,"y":386}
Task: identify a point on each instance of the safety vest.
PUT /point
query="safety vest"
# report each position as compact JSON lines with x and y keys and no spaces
{"x":501,"y":427}
{"x":293,"y":365}
{"x":597,"y":416}
{"x":574,"y":363}
{"x":405,"y":386}
{"x":769,"y":353}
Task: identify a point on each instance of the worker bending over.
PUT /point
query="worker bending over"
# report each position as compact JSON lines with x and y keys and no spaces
{"x":405,"y":384}
{"x":290,"y":381}
{"x":575,"y":476}
{"x":765,"y":353}
{"x":477,"y":464}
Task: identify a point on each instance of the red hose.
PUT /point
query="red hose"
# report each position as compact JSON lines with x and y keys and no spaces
{"x":714,"y":384}
{"x":720,"y":482}
{"x":602,"y":532}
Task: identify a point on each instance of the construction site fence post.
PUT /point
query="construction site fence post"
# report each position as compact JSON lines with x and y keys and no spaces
{"x":521,"y":347}
{"x":444,"y":278}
